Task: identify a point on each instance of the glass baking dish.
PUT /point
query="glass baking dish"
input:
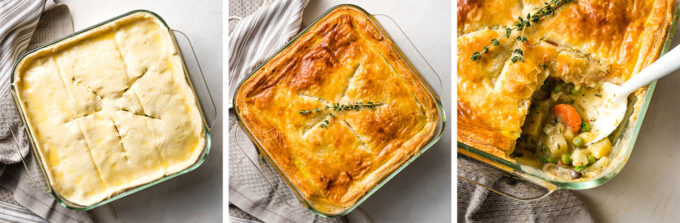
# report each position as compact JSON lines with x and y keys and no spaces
{"x":390,"y":30}
{"x":194,"y":78}
{"x":623,"y":140}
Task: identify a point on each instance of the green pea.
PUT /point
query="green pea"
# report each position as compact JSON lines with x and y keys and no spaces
{"x":591,"y":159}
{"x":580,"y":168}
{"x":585,"y":127}
{"x":544,"y":159}
{"x":566,"y":159}
{"x":578,"y":141}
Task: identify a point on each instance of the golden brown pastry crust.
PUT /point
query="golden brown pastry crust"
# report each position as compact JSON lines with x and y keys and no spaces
{"x":343,"y":58}
{"x":584,"y":43}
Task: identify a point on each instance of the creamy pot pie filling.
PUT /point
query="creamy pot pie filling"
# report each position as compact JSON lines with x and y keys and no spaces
{"x":557,"y":130}
{"x":110,"y":109}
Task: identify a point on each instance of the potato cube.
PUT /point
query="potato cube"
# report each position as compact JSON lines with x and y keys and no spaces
{"x":600,"y":149}
{"x":579,"y":157}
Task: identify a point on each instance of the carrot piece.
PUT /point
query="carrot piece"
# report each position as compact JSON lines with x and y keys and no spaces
{"x":567,"y":115}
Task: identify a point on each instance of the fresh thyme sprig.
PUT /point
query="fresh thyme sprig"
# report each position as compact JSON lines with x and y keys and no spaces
{"x":338,"y":107}
{"x":520,"y":25}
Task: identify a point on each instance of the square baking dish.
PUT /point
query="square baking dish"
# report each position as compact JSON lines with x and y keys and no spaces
{"x":623,"y":140}
{"x":390,"y":31}
{"x":204,"y":105}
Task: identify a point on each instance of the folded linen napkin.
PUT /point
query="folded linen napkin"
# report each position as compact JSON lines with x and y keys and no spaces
{"x":254,"y":185}
{"x":23,"y":194}
{"x":477,"y":204}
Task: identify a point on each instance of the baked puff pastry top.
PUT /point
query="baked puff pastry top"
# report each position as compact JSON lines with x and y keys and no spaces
{"x":110,"y":109}
{"x":341,"y":59}
{"x":586,"y":42}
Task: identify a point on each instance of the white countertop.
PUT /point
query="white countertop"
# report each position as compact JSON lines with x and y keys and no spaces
{"x":648,"y":188}
{"x":197,"y":195}
{"x":422,"y":191}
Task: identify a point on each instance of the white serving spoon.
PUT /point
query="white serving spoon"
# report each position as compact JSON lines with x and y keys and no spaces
{"x":611,"y":110}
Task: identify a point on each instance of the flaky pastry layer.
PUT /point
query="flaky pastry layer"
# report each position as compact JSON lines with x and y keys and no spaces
{"x":341,"y":59}
{"x":110,"y":109}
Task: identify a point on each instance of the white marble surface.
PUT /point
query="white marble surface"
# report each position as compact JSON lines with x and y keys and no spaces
{"x":422,"y":191}
{"x":197,"y":195}
{"x":647,"y":189}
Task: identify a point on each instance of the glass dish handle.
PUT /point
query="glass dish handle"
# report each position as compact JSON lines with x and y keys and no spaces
{"x":196,"y":77}
{"x":31,"y":176}
{"x":410,"y":51}
{"x":510,"y":186}
{"x":259,"y":164}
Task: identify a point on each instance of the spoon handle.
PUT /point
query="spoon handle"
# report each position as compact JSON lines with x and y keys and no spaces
{"x":662,"y":67}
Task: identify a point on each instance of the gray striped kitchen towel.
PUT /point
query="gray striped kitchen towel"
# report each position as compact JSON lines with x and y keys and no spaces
{"x":14,"y":213}
{"x":258,"y":36}
{"x":23,"y":194}
{"x":18,"y":19}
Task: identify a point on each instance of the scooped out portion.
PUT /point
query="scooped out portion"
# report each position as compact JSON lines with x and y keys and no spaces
{"x":557,"y":134}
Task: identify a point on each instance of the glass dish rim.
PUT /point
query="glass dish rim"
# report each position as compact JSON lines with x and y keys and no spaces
{"x":433,"y":140}
{"x":65,"y":202}
{"x":518,"y":169}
